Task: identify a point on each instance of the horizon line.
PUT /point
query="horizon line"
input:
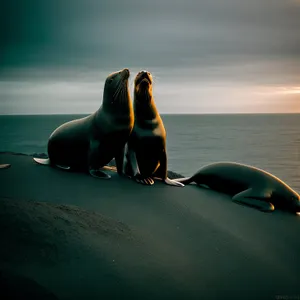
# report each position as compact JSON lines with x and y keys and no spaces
{"x":173,"y":114}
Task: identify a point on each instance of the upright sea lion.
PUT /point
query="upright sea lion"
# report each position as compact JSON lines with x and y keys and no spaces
{"x":247,"y":185}
{"x":146,"y":151}
{"x":90,"y":143}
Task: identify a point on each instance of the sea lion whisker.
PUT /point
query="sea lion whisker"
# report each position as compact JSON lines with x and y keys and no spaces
{"x":123,"y":87}
{"x":154,"y":78}
{"x":122,"y":94}
{"x":117,"y":93}
{"x":117,"y":90}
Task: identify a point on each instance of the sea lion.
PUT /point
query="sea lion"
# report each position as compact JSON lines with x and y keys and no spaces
{"x":247,"y":185}
{"x":90,"y":143}
{"x":146,"y":149}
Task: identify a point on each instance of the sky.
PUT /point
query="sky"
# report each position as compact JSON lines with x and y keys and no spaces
{"x":206,"y":56}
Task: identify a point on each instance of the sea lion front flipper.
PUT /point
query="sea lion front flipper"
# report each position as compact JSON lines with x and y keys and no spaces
{"x":255,"y":198}
{"x":109,"y":168}
{"x":93,"y":161}
{"x":162,"y":171}
{"x":99,"y":174}
{"x":63,"y":167}
{"x":132,"y":168}
{"x":147,"y":181}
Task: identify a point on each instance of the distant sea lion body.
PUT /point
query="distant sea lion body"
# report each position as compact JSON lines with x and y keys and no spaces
{"x":90,"y":143}
{"x":247,"y":185}
{"x":146,"y":156}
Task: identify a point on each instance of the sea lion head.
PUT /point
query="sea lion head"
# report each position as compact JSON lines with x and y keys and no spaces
{"x":116,"y":90}
{"x":143,"y":86}
{"x":295,"y":202}
{"x":291,"y":199}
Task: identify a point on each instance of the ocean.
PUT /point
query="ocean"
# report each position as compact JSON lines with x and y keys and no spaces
{"x":267,"y":141}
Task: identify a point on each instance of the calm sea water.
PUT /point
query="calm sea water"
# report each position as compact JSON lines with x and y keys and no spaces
{"x":270,"y":142}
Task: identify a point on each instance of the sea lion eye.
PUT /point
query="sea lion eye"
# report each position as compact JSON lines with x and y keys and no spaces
{"x":110,"y":81}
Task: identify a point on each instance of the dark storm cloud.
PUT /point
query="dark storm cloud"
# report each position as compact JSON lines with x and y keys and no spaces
{"x":157,"y":33}
{"x":205,"y":55}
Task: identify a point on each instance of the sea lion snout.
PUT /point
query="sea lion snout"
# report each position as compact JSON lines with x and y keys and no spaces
{"x":297,"y":204}
{"x":145,"y":82}
{"x":141,"y":76}
{"x":125,"y":73}
{"x":294,"y":202}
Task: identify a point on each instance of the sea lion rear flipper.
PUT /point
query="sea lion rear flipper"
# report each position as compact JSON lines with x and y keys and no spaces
{"x":47,"y":162}
{"x":255,"y":198}
{"x":42,"y":161}
{"x":184,"y":180}
{"x":173,"y":182}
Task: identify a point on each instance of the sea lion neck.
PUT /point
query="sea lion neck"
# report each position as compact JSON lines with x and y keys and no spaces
{"x":119,"y":105}
{"x":144,"y":110}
